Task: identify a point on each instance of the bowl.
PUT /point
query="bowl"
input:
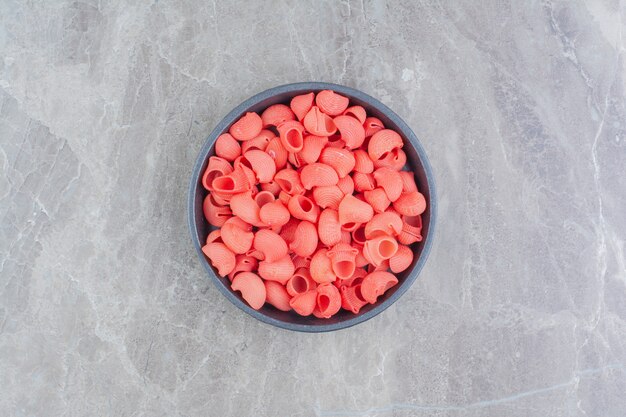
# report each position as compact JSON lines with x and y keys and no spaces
{"x":416,"y":159}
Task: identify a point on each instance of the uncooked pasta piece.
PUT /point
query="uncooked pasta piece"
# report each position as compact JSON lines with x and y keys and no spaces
{"x":244,"y":263}
{"x":411,"y":230}
{"x":352,"y":299}
{"x":318,"y":174}
{"x":383,"y":142}
{"x":301,"y":262}
{"x":262,"y":164}
{"x":300,"y":283}
{"x":329,"y":228}
{"x":274,"y":214}
{"x":291,"y":135}
{"x":301,"y":104}
{"x":396,"y":159}
{"x":328,"y":196}
{"x":276,"y":114}
{"x":227,"y":147}
{"x":221,"y":199}
{"x":270,"y":244}
{"x":401,"y":260}
{"x":251,"y":287}
{"x":356,"y":277}
{"x":328,"y":301}
{"x":303,"y":208}
{"x":276,"y":295}
{"x":215,"y":214}
{"x":289,"y":181}
{"x":234,"y":183}
{"x":363,"y":163}
{"x":342,"y":160}
{"x":304,"y":304}
{"x":237,"y":235}
{"x":386,"y":223}
{"x":342,"y":258}
{"x":410,"y":204}
{"x":331,"y":103}
{"x":247,"y":127}
{"x":272,"y":187}
{"x":321,"y":267}
{"x":280,"y":270}
{"x":357,"y":112}
{"x":358,"y":235}
{"x":264,"y":197}
{"x":390,"y":180}
{"x":244,"y":207}
{"x":346,"y":185}
{"x":408,"y":181}
{"x":243,"y":165}
{"x":305,"y":239}
{"x":221,"y":257}
{"x":217,"y":167}
{"x":335,"y":141}
{"x":318,"y":123}
{"x":383,"y":266}
{"x":288,"y":231}
{"x":379,"y":249}
{"x":353,"y":210}
{"x":312,"y":148}
{"x":376,"y":284}
{"x":363,"y":182}
{"x":372,"y":125}
{"x":260,"y":142}
{"x":214,"y":236}
{"x":377,"y":198}
{"x":351,"y":131}
{"x":277,"y":152}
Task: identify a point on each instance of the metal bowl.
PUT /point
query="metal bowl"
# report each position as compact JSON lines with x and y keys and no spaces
{"x":416,"y":159}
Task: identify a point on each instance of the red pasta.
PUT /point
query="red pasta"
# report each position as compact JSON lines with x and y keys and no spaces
{"x":311,"y":221}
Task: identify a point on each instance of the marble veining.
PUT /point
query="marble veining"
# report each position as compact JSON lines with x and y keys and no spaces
{"x":520,"y":310}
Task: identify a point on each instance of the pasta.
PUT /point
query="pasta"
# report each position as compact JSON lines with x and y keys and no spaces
{"x":313,"y":207}
{"x":251,"y":287}
{"x":248,"y":127}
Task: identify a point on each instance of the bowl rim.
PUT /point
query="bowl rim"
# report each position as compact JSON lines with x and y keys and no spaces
{"x":406,"y":131}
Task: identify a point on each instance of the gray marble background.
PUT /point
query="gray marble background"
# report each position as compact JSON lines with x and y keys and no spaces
{"x":105,"y":309}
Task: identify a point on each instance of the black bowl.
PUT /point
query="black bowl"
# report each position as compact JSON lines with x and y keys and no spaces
{"x":416,"y":159}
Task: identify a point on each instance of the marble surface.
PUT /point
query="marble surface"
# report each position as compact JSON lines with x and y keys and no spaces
{"x":105,"y":309}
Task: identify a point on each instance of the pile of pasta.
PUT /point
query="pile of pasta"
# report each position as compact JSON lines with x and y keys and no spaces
{"x":314,"y":210}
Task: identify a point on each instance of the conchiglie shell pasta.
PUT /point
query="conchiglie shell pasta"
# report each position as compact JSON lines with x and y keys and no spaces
{"x":301,"y":104}
{"x":214,"y":213}
{"x":401,"y":260}
{"x":376,"y":284}
{"x":410,"y":204}
{"x":244,"y":263}
{"x":277,"y":152}
{"x":411,"y":230}
{"x":292,"y":135}
{"x":244,"y":207}
{"x":351,"y":131}
{"x":312,"y":148}
{"x":318,"y":123}
{"x":303,"y":208}
{"x":300,"y":283}
{"x":379,"y":249}
{"x":270,"y":244}
{"x":396,"y":159}
{"x":363,"y":182}
{"x":221,"y":257}
{"x":234,"y":183}
{"x":357,"y":112}
{"x":383,"y":224}
{"x":262,"y":164}
{"x":328,"y":196}
{"x":276,"y":295}
{"x":289,"y":181}
{"x":318,"y":174}
{"x":331,"y":103}
{"x":214,"y":236}
{"x":305,"y":239}
{"x":408,"y":181}
{"x":352,"y":299}
{"x":227,"y":147}
{"x":264,"y":197}
{"x":217,"y":167}
{"x":329,"y":228}
{"x":247,"y":127}
{"x":328,"y":301}
{"x":304,"y":304}
{"x":237,"y":238}
{"x":390,"y":180}
{"x":276,"y":114}
{"x":280,"y":270}
{"x":341,"y":160}
{"x":321,"y":267}
{"x":274,"y":214}
{"x":260,"y":142}
{"x":342,"y":258}
{"x":372,"y":125}
{"x":251,"y":287}
{"x":363,"y":163}
{"x":353,"y":210}
{"x":383,"y":142}
{"x":377,"y":198}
